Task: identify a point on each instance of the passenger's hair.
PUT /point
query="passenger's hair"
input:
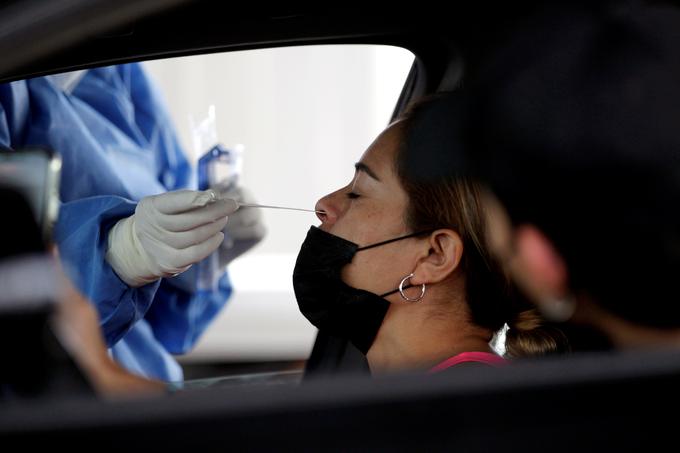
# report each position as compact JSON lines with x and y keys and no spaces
{"x":455,"y":202}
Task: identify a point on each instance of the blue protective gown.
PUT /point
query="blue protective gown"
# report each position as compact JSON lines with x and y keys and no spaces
{"x":118,"y":145}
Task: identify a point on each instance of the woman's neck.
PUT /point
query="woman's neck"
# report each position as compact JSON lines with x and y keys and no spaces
{"x":416,"y":337}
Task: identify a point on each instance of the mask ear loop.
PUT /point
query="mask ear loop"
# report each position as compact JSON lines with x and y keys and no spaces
{"x":401,"y":289}
{"x":411,"y":235}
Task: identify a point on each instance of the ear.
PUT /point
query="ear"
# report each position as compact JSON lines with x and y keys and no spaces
{"x":537,"y":266}
{"x":440,"y":257}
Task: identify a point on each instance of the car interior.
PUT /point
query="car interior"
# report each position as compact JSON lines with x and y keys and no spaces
{"x":590,"y":403}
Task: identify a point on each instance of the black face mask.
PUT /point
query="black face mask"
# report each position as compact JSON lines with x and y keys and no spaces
{"x":328,"y":302}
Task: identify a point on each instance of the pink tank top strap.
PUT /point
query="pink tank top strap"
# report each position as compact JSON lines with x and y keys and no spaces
{"x":473,"y":356}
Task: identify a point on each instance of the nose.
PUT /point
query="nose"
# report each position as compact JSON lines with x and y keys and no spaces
{"x":325,"y":215}
{"x":321,"y":212}
{"x":332,"y":207}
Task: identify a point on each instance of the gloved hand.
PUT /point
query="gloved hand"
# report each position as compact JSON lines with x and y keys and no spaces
{"x":167,"y":234}
{"x":245,"y":227}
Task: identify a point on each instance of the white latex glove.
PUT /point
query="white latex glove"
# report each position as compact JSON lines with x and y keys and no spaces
{"x":245,"y":227}
{"x":167,"y":234}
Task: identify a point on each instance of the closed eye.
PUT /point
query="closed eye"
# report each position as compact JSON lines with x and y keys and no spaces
{"x":352,"y":195}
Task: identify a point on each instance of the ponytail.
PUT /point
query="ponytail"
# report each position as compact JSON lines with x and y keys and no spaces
{"x":529,"y":335}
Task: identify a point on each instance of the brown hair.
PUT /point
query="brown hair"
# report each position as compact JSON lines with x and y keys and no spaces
{"x":455,"y":202}
{"x":529,"y":335}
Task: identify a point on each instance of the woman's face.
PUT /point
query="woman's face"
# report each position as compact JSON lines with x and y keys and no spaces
{"x":371,"y":209}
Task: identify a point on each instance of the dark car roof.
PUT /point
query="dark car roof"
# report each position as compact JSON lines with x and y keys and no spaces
{"x":38,"y":38}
